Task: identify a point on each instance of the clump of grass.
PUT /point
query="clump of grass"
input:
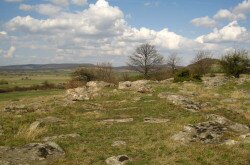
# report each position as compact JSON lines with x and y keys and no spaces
{"x":30,"y":133}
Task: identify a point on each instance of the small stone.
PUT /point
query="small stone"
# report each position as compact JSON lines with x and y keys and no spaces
{"x":230,"y":142}
{"x":117,"y":160}
{"x":118,"y":143}
{"x":125,"y":120}
{"x":239,"y":128}
{"x":155,"y":120}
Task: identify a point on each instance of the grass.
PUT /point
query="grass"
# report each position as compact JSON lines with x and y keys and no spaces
{"x":146,"y":143}
{"x":27,"y":79}
{"x":15,"y":96}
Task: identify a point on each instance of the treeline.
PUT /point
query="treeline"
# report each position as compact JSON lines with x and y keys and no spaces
{"x":147,"y":61}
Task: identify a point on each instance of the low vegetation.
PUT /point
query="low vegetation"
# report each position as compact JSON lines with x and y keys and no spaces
{"x":235,"y":63}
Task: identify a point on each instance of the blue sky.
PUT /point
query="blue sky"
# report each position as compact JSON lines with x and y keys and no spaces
{"x":61,"y":31}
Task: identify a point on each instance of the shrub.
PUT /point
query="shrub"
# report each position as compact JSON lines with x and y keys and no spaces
{"x":185,"y":75}
{"x":3,"y":82}
{"x":182,"y":75}
{"x":235,"y":63}
{"x":196,"y":77}
{"x":84,"y":75}
{"x":102,"y":72}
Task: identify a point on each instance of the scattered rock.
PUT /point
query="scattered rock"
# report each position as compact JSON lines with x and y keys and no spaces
{"x":33,"y":153}
{"x":170,"y":80}
{"x":182,"y":101}
{"x":118,"y":143}
{"x":230,"y":142}
{"x":239,"y":128}
{"x":138,"y":86}
{"x":90,"y":91}
{"x":215,"y":81}
{"x":155,"y":120}
{"x":50,"y":120}
{"x":245,"y":138}
{"x":46,"y":120}
{"x":125,"y":120}
{"x":52,"y":138}
{"x":211,"y":131}
{"x":117,"y":160}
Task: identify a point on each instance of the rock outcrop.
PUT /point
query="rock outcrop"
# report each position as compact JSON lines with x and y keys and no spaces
{"x":90,"y":91}
{"x":212,"y":131}
{"x":182,"y":101}
{"x":33,"y":153}
{"x":138,"y":86}
{"x":117,"y":160}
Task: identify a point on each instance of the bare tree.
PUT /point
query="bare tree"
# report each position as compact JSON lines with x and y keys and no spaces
{"x":202,"y":62}
{"x":104,"y":71}
{"x":145,"y":59}
{"x":173,"y":61}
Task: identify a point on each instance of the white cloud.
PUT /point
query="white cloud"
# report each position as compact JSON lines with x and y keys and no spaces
{"x":45,"y":9}
{"x":243,"y":7}
{"x":13,"y":0}
{"x":204,"y":21}
{"x":226,"y":14}
{"x":231,"y":32}
{"x":3,"y":33}
{"x":79,"y":2}
{"x":10,"y":52}
{"x":98,"y":31}
{"x":68,"y":2}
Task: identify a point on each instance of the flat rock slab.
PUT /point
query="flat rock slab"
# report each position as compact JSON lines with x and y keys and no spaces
{"x":155,"y":120}
{"x":211,"y":131}
{"x":117,"y":160}
{"x":52,"y":138}
{"x":182,"y":101}
{"x":125,"y":120}
{"x":33,"y":153}
{"x":118,"y":143}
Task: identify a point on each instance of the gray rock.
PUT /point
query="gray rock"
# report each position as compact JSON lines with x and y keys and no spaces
{"x":155,"y":120}
{"x":230,"y":142}
{"x":52,"y":138}
{"x":90,"y":91}
{"x":210,"y":131}
{"x":239,"y":128}
{"x":50,"y":120}
{"x":118,"y":143}
{"x":125,"y":120}
{"x":138,"y":86}
{"x":245,"y":138}
{"x":182,"y":101}
{"x":117,"y":160}
{"x":33,"y":153}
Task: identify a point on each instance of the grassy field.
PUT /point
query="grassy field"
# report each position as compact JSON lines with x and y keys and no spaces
{"x":147,"y":143}
{"x":29,"y":78}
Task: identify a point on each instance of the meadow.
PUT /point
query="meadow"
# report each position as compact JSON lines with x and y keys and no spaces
{"x":146,"y":143}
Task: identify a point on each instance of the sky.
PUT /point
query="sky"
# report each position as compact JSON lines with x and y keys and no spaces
{"x":94,"y":31}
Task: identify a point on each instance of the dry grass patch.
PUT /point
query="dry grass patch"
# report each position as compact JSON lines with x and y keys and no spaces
{"x":30,"y":133}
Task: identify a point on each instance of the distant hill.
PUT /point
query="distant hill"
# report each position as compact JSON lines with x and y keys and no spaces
{"x":210,"y":61}
{"x":44,"y":66}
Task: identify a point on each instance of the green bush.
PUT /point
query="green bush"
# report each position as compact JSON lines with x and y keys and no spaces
{"x":196,"y":77}
{"x":235,"y":63}
{"x":185,"y":75}
{"x":182,"y":75}
{"x":84,"y":74}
